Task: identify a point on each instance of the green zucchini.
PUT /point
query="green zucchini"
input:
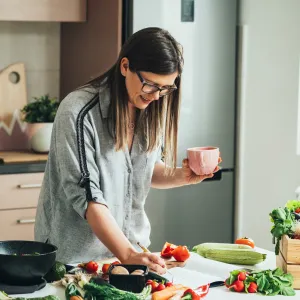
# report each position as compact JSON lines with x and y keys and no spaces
{"x":201,"y":249}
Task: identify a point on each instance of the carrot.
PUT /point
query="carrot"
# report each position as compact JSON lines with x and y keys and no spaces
{"x":168,"y":292}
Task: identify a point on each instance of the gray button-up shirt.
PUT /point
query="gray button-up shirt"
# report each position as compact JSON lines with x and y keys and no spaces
{"x":118,"y":179}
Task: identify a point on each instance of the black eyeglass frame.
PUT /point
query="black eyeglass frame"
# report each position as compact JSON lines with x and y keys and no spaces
{"x":144,"y":83}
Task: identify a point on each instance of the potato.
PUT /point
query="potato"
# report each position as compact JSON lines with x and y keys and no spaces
{"x":119,"y":270}
{"x":137,"y":272}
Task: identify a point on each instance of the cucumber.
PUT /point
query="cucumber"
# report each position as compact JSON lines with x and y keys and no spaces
{"x":201,"y":249}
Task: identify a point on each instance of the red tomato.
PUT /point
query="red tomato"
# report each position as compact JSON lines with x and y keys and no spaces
{"x":297,"y":211}
{"x":105,"y":268}
{"x":181,"y":253}
{"x":160,"y":287}
{"x":167,"y":249}
{"x":168,"y":284}
{"x":91,"y":266}
{"x":116,"y":262}
{"x":245,"y":241}
{"x":154,"y":286}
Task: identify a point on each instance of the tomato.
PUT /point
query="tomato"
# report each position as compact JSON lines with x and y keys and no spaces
{"x":245,"y":241}
{"x":297,"y":211}
{"x":181,"y":253}
{"x":153,"y":284}
{"x":160,"y":287}
{"x":167,"y":249}
{"x":168,"y":284}
{"x":116,"y":263}
{"x":91,"y":266}
{"x":105,"y":268}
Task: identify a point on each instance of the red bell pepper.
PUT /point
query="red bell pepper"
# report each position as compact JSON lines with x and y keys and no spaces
{"x":167,"y":250}
{"x":196,"y":294}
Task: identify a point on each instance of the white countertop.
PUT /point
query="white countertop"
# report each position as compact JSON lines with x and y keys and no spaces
{"x":197,"y":271}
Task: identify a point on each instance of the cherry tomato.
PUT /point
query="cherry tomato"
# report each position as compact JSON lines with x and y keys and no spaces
{"x":105,"y":268}
{"x":168,"y":284}
{"x":160,"y":287}
{"x":245,"y":241}
{"x":297,"y":211}
{"x":116,"y":263}
{"x":167,"y":249}
{"x":91,"y":266}
{"x":154,"y":286}
{"x":181,"y":253}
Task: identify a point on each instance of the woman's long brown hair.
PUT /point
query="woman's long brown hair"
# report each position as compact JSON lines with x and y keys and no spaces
{"x":149,"y":50}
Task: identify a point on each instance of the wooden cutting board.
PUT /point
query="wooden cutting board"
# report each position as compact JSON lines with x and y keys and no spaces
{"x":13,"y":97}
{"x":9,"y":157}
{"x":170,"y":263}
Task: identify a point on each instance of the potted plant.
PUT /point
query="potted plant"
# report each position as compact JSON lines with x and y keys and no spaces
{"x":40,"y":114}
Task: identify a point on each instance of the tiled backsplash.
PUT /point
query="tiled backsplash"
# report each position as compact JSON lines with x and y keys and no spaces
{"x":37,"y":45}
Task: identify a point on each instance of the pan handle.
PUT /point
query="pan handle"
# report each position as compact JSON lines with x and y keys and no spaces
{"x":26,"y":221}
{"x":29,"y":186}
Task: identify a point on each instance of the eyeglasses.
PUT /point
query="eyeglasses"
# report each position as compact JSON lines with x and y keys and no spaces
{"x":149,"y":88}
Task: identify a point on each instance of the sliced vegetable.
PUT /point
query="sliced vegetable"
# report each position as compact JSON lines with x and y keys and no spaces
{"x":181,"y":253}
{"x":245,"y":241}
{"x":167,"y":249}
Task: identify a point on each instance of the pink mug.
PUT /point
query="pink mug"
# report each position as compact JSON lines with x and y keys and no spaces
{"x":203,"y":160}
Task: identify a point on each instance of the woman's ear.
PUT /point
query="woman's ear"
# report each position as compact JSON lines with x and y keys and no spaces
{"x":124,"y":66}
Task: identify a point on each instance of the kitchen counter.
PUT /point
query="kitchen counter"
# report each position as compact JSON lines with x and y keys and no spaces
{"x":13,"y":162}
{"x":197,"y":271}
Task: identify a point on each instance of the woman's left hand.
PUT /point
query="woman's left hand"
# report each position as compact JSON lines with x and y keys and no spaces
{"x":190,"y":177}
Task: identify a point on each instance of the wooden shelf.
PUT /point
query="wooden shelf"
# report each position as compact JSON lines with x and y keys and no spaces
{"x":9,"y":157}
{"x":43,"y":10}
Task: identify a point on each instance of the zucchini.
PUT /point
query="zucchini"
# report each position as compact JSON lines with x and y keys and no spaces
{"x":235,"y":256}
{"x":201,"y":249}
{"x":50,"y":297}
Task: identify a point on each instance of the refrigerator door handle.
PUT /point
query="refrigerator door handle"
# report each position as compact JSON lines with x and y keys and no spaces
{"x":218,"y":175}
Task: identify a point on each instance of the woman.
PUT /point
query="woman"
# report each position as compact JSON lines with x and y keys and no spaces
{"x":106,"y":154}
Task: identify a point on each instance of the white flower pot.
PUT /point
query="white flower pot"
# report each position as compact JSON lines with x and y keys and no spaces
{"x":39,"y":136}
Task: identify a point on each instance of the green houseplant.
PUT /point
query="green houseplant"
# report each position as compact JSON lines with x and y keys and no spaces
{"x":39,"y":116}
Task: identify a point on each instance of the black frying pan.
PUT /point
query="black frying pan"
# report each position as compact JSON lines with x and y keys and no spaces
{"x":25,"y":262}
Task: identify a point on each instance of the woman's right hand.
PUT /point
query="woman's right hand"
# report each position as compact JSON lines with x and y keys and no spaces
{"x":153,"y":261}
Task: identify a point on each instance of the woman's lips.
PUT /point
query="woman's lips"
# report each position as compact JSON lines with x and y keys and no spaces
{"x":145,"y":100}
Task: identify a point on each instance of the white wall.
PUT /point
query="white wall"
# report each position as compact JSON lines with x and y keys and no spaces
{"x":37,"y":45}
{"x":269,"y":168}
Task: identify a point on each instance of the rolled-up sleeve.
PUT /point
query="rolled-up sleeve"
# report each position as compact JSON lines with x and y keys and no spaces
{"x":70,"y":162}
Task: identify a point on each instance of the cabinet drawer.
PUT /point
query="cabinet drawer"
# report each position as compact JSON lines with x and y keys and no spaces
{"x":17,"y":224}
{"x":20,"y":190}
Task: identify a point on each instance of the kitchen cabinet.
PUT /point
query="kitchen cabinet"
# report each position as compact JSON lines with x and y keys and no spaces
{"x":43,"y":10}
{"x":89,"y":49}
{"x":18,"y":201}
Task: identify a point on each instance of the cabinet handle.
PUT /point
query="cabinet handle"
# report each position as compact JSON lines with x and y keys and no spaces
{"x":29,"y":186}
{"x":26,"y":221}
